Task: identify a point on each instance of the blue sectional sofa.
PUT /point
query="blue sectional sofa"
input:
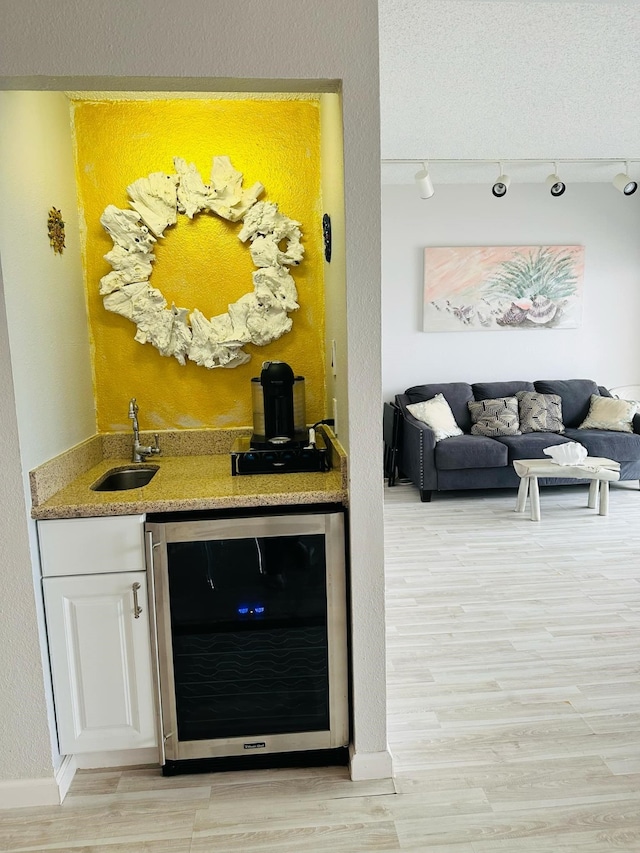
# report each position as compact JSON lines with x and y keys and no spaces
{"x":478,"y":462}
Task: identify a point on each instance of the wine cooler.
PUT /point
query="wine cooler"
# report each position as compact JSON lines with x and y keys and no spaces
{"x":250,"y":635}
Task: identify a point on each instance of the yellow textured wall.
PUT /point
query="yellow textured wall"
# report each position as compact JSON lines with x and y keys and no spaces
{"x":200,"y":263}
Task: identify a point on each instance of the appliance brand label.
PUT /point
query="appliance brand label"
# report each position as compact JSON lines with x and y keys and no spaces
{"x":257,"y":745}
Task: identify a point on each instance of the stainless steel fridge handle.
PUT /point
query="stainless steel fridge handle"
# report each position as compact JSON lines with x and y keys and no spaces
{"x":154,"y":641}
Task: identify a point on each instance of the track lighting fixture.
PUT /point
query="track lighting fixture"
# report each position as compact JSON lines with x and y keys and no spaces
{"x":623,"y":182}
{"x":556,"y":186}
{"x":423,"y":180}
{"x":501,"y":185}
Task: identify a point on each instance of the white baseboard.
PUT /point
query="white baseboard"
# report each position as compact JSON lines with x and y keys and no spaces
{"x":370,"y":765}
{"x":65,"y":774}
{"x":118,"y":758}
{"x":20,"y":793}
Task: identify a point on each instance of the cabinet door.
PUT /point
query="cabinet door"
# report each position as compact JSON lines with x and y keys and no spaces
{"x":100,"y":661}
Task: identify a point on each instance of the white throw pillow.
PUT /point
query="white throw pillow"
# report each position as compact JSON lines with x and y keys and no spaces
{"x":610,"y":413}
{"x":436,"y":413}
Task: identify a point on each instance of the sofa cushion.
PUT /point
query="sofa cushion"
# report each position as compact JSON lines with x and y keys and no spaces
{"x":610,"y":413}
{"x":530,"y":445}
{"x":491,"y":390}
{"x":457,"y":395}
{"x":495,"y":417}
{"x":539,"y":412}
{"x":469,"y":451}
{"x":436,"y":414}
{"x":575,"y":394}
{"x":620,"y":446}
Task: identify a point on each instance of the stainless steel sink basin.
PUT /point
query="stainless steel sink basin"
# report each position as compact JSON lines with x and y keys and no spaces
{"x":121,"y":479}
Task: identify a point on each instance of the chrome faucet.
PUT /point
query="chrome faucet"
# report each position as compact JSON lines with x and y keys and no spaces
{"x":140,"y":451}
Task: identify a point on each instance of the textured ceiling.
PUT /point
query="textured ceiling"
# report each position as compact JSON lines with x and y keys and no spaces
{"x":507,"y":80}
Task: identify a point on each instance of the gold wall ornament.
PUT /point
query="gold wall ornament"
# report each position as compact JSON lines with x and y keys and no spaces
{"x":55,"y":225}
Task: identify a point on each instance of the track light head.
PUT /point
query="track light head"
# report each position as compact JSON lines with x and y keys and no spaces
{"x":501,"y":185}
{"x":423,"y":180}
{"x":624,"y":183}
{"x":556,"y":186}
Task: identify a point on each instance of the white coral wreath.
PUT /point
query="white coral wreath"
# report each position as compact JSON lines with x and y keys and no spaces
{"x":259,"y":317}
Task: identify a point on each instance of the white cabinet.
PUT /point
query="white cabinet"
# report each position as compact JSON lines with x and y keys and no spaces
{"x":98,"y":632}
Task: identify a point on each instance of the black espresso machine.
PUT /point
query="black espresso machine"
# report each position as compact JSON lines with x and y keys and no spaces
{"x":281,"y":442}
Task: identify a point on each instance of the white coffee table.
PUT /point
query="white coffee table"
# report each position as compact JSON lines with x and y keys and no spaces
{"x":594,"y":468}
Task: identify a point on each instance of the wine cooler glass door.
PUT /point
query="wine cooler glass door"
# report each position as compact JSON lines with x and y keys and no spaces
{"x":253,"y":629}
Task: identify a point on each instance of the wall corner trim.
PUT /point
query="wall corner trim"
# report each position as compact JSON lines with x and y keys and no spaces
{"x":65,"y":774}
{"x":370,"y":765}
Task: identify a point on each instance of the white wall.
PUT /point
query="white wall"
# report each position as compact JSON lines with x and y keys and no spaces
{"x":606,"y":347}
{"x":195,"y":43}
{"x":44,"y":291}
{"x":24,"y":735}
{"x":48,"y":336}
{"x":334,"y":270}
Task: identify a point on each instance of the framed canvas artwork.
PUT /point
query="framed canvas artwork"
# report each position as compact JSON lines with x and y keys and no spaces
{"x":491,"y":288}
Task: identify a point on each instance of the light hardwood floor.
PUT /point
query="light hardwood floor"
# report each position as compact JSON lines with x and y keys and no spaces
{"x":514,"y":707}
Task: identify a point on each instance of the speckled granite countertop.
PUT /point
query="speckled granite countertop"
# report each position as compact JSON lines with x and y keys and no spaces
{"x":183,"y":482}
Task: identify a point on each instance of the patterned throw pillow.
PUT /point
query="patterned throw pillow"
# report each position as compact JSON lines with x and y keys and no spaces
{"x":539,"y":412}
{"x":495,"y":417}
{"x":436,"y":414}
{"x":610,"y":413}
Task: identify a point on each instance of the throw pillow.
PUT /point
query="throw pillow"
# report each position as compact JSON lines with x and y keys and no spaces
{"x":436,"y":414}
{"x":495,"y":417}
{"x":539,"y":412}
{"x":610,"y":413}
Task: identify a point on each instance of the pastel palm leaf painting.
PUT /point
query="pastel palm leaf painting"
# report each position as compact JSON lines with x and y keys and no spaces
{"x":484,"y":288}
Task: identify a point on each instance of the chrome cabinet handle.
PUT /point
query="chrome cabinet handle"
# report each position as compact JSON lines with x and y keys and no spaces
{"x":137,"y":610}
